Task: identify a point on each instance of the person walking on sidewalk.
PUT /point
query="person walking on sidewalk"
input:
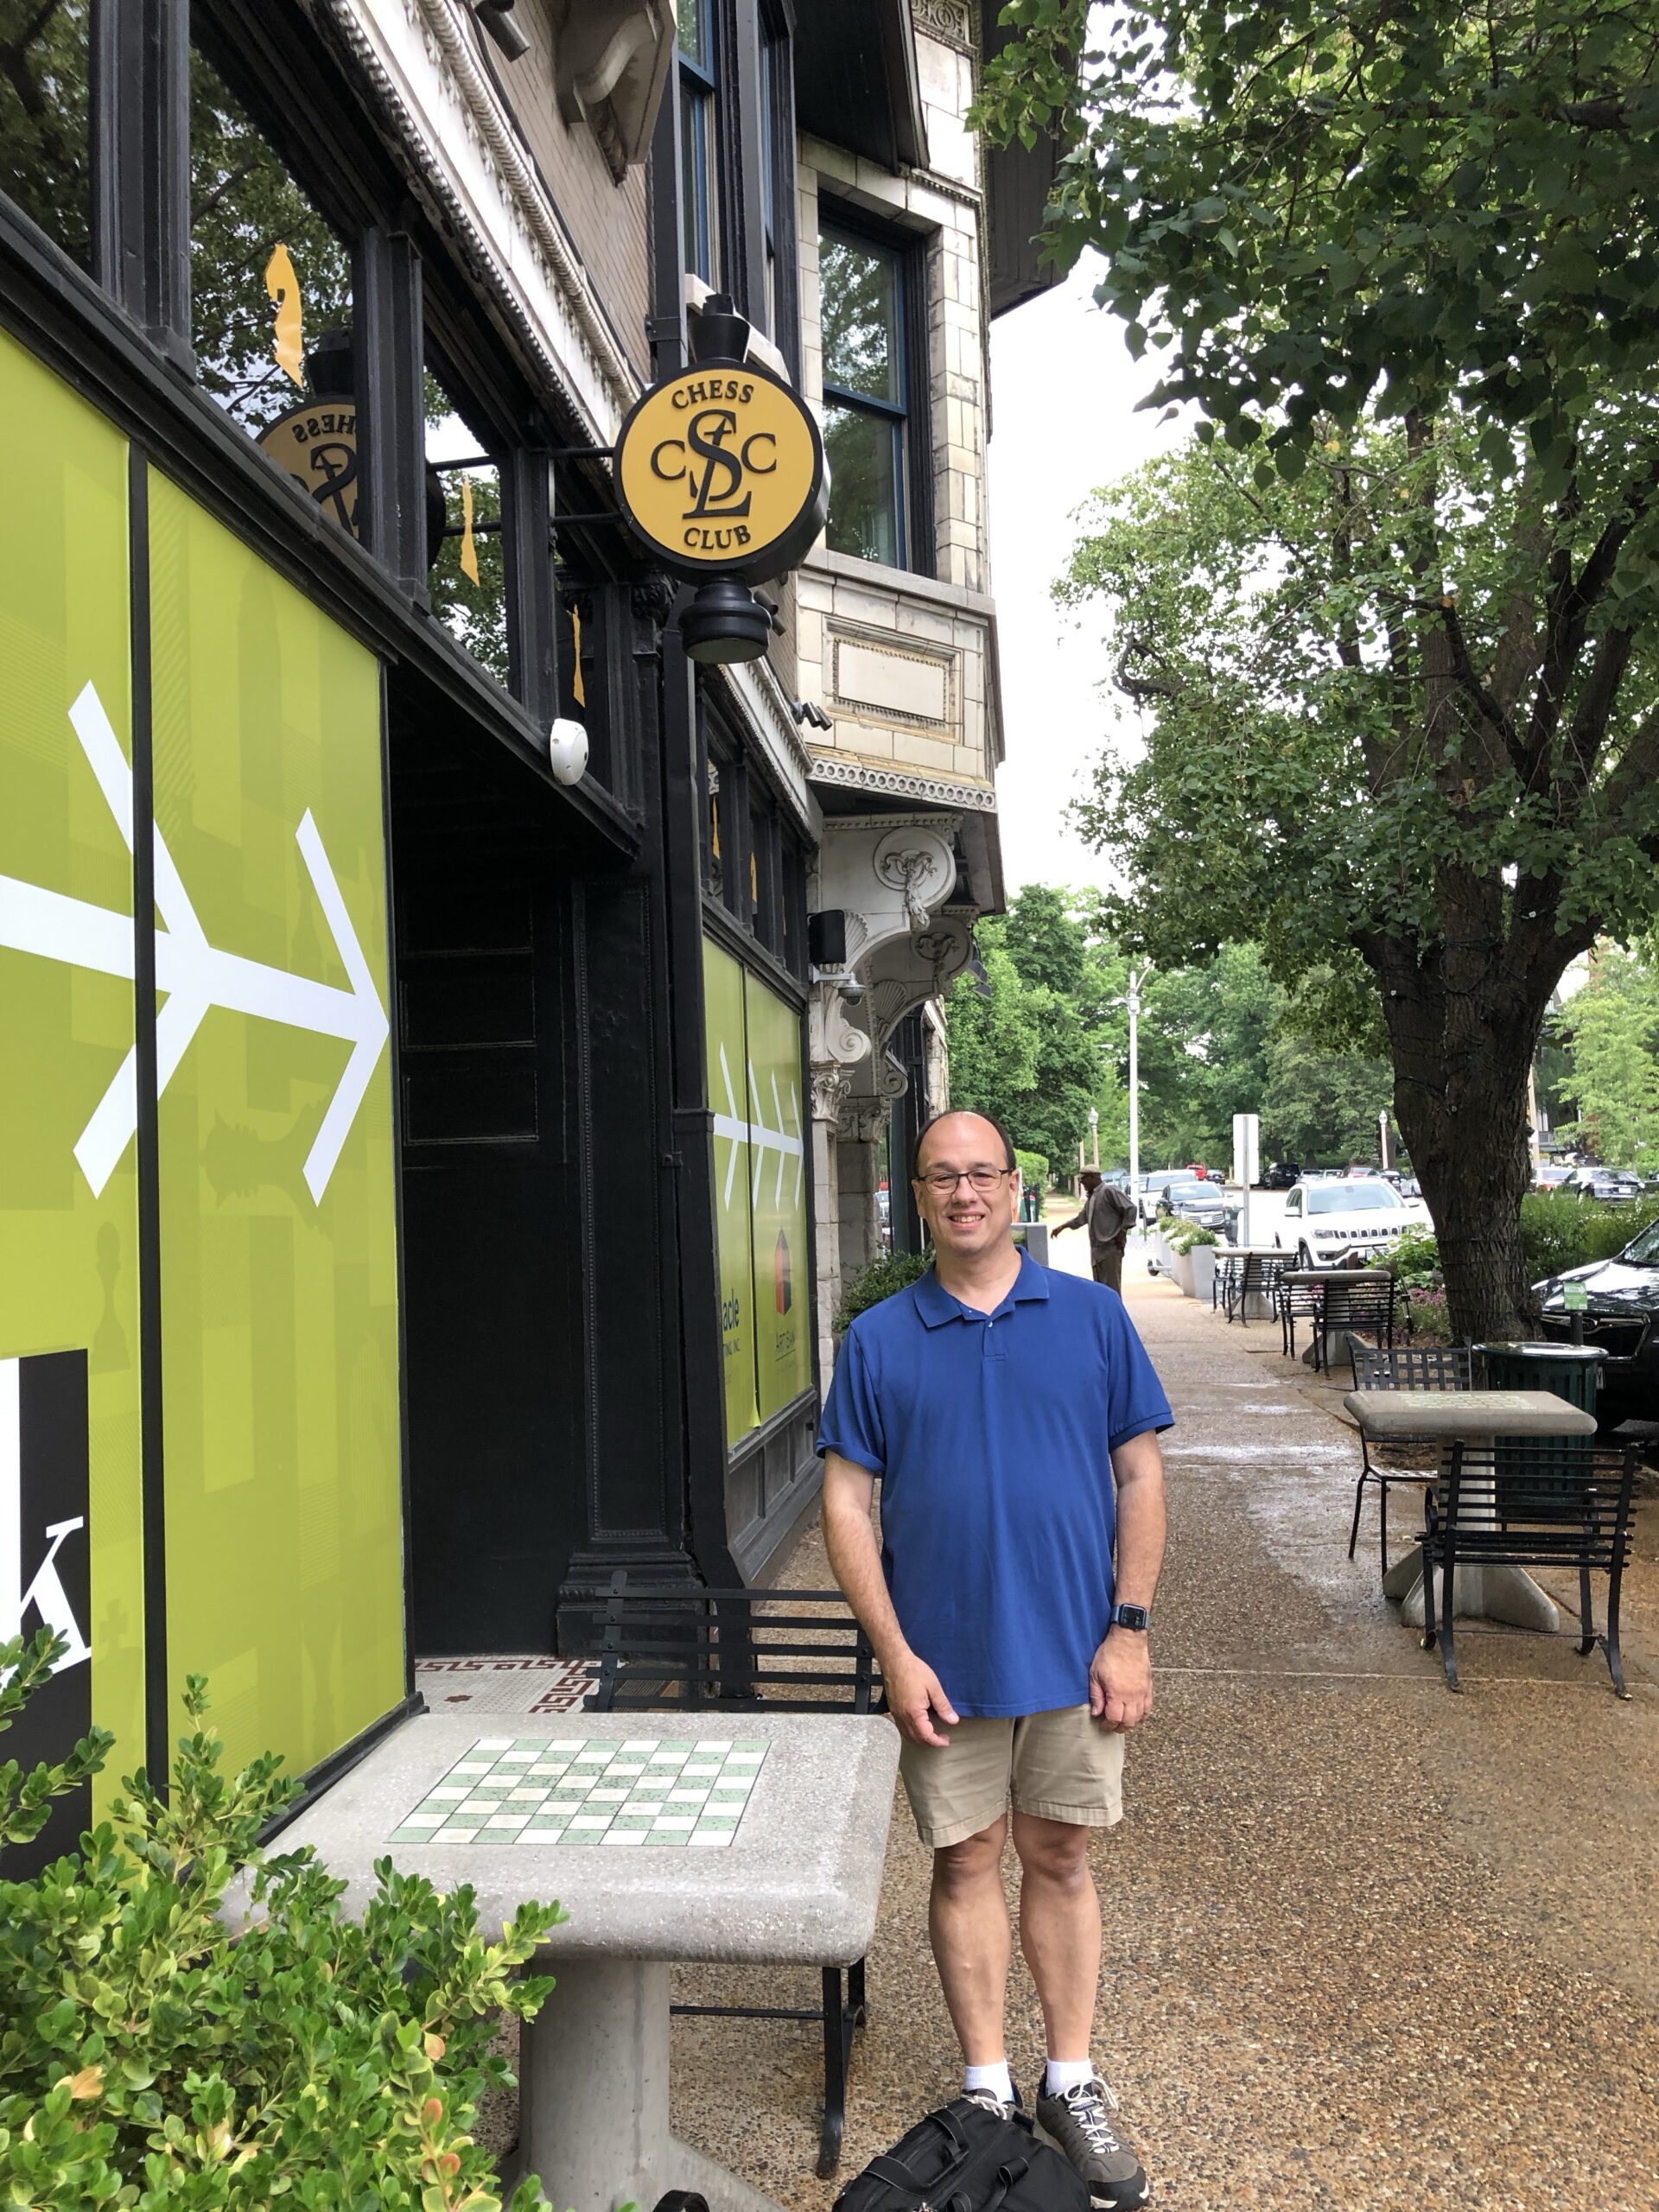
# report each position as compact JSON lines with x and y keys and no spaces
{"x":1008,"y":1604}
{"x":1109,"y":1214}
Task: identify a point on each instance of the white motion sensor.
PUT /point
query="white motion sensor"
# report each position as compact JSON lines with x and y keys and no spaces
{"x":567,"y":750}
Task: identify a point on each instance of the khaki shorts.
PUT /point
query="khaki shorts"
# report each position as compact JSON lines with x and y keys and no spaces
{"x":1061,"y":1766}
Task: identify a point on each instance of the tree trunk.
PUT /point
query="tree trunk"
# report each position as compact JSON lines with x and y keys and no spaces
{"x":1460,"y":1101}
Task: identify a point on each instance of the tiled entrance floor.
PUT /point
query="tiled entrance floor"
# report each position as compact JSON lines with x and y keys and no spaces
{"x":534,"y":1684}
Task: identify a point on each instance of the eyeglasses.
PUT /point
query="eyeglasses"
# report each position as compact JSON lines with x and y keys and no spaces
{"x":942,"y":1181}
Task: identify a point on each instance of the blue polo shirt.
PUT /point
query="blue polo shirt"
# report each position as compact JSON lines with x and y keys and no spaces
{"x":992,"y":1435}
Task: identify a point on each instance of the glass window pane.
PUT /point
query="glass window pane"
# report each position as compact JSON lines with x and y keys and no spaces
{"x":862,"y":450}
{"x":465,"y":554}
{"x":690,"y":16}
{"x":270,"y":299}
{"x":45,"y":119}
{"x":696,"y":172}
{"x":860,"y":317}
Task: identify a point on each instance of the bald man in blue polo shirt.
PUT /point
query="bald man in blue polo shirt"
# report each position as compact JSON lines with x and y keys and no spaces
{"x":1022,"y":1531}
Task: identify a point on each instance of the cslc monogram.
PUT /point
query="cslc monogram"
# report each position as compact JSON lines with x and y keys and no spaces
{"x":715,"y":461}
{"x":723,"y":469}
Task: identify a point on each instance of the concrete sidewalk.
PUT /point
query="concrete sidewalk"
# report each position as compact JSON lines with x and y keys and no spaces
{"x":1367,"y":1944}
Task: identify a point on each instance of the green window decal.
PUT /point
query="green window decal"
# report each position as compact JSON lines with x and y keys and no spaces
{"x":754,"y":1043}
{"x":68,"y":1250}
{"x":276,"y":1497}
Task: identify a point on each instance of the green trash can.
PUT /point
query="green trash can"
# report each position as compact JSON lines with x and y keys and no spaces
{"x":1571,"y":1371}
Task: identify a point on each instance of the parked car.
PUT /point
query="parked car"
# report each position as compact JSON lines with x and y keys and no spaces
{"x":1204,"y":1202}
{"x":1329,"y":1222}
{"x":1154,"y":1186}
{"x":1551,"y":1177}
{"x":1623,"y":1318}
{"x":1280,"y":1176}
{"x":1613,"y":1186}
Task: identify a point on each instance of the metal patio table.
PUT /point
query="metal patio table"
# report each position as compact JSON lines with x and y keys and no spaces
{"x":1475,"y":1418}
{"x":797,"y":1879}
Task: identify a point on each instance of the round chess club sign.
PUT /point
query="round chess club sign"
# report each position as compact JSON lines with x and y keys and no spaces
{"x":721,"y":469}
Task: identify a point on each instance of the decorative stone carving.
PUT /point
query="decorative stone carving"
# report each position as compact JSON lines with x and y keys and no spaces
{"x":951,"y":21}
{"x":611,"y":59}
{"x":833,"y":1038}
{"x":829,"y":768}
{"x":831,"y":1088}
{"x":862,"y":1118}
{"x":905,"y":975}
{"x":917,"y":862}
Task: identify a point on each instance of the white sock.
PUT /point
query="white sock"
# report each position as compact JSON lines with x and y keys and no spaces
{"x":997,"y":2078}
{"x":1066,"y":2073}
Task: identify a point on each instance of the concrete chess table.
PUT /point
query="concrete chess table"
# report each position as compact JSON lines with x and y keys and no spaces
{"x":664,"y":1837}
{"x":1475,"y":1418}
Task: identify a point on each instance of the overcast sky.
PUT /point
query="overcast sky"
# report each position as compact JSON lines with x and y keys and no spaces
{"x":1062,"y":396}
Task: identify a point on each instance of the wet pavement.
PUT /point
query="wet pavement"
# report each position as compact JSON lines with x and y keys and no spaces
{"x":1367,"y":1945}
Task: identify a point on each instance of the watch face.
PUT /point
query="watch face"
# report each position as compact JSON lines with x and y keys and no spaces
{"x":1130,"y":1616}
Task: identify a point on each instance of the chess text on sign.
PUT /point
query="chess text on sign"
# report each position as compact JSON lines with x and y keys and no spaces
{"x":720,"y":468}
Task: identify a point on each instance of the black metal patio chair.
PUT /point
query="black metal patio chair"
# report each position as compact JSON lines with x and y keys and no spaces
{"x":1293,"y":1302}
{"x":1224,"y":1284}
{"x":1405,"y":1367}
{"x":1532,"y":1501}
{"x":1351,"y":1303}
{"x":728,"y":1652}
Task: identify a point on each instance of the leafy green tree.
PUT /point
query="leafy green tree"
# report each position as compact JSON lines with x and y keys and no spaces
{"x":994,"y":1038}
{"x":1321,"y":1108}
{"x":1031,"y":1052}
{"x":1613,"y":1027}
{"x":1392,"y":622}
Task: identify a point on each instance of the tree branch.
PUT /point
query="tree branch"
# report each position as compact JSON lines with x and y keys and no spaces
{"x":1464,"y":670}
{"x":1141,"y":688}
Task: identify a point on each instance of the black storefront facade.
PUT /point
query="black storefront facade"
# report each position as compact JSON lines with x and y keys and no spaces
{"x":549,"y":1394}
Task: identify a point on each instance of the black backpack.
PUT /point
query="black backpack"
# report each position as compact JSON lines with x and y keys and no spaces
{"x":965,"y":2157}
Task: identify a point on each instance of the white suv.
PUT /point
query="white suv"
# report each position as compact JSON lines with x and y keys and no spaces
{"x":1330,"y":1223}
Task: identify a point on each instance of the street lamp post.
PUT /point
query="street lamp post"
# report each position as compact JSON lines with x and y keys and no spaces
{"x":1132,"y":1002}
{"x":1094,"y":1134}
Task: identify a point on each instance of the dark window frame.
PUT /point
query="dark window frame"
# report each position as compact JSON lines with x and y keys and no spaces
{"x":911,"y":416}
{"x":696,"y":89}
{"x":777,"y":139}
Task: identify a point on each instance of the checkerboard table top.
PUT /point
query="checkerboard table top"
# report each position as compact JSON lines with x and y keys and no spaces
{"x":573,"y":1790}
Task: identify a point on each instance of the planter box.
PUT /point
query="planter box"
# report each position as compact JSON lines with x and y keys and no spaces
{"x":1180,"y":1266}
{"x":1203,"y":1272}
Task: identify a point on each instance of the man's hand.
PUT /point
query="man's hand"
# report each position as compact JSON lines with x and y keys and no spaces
{"x":914,"y":1696}
{"x":1119,"y":1681}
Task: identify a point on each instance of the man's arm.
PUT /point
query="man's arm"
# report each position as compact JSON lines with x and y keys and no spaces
{"x":914,"y":1694}
{"x":1120,"y":1679}
{"x":1077,"y":1220}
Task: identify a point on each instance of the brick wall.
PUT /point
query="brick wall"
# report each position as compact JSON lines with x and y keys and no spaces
{"x":606,"y":221}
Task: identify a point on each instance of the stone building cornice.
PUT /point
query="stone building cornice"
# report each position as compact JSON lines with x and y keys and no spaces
{"x":455,"y":128}
{"x":900,"y":782}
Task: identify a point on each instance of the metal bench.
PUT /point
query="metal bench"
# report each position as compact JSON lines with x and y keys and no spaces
{"x":1414,"y":1367}
{"x":1529,"y":1502}
{"x":721,"y":1650}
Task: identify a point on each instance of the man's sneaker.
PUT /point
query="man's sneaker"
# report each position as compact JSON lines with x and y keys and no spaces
{"x":1082,"y":2123}
{"x":992,"y":2102}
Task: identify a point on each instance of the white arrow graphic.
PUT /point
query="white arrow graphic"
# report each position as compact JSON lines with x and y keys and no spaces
{"x":193,"y":974}
{"x":755,"y":1133}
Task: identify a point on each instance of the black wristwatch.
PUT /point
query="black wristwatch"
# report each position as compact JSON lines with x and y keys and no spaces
{"x":1130,"y":1616}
